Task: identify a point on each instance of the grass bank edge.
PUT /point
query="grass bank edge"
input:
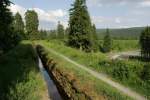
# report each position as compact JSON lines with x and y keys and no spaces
{"x":85,"y":78}
{"x":20,"y":76}
{"x":94,"y":59}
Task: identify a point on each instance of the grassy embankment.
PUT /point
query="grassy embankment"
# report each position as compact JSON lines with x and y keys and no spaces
{"x":125,"y":72}
{"x":20,"y":78}
{"x":96,"y":88}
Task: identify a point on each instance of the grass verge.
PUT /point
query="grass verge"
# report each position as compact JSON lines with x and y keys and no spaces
{"x":86,"y":82}
{"x":20,"y":78}
{"x":125,"y":72}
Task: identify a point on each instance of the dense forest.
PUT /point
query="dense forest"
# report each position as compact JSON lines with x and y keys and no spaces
{"x":122,"y":33}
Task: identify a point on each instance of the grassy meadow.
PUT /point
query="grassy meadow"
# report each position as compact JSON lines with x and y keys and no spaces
{"x":123,"y":45}
{"x":20,"y":78}
{"x":83,"y":80}
{"x":126,"y":72}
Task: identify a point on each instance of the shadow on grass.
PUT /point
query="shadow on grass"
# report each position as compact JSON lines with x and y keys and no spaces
{"x":139,"y":58}
{"x":15,"y":67}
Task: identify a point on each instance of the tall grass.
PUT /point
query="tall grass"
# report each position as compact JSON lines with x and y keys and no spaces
{"x":19,"y":75}
{"x":93,"y":86}
{"x":126,"y":72}
{"x":123,"y":45}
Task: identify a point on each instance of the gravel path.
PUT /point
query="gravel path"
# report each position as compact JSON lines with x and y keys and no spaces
{"x":124,"y":55}
{"x":104,"y":78}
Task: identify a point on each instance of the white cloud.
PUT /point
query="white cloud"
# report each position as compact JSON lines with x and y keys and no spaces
{"x":93,"y":3}
{"x":118,"y":20}
{"x":108,"y":3}
{"x":98,"y":19}
{"x":145,"y":3}
{"x":58,"y":13}
{"x":17,"y":8}
{"x":52,"y":16}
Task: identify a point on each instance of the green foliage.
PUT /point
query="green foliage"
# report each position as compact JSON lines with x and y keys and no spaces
{"x":145,"y":75}
{"x":42,"y":35}
{"x":52,"y":34}
{"x":125,"y":45}
{"x":145,"y":43}
{"x":83,"y":78}
{"x":126,"y":72}
{"x":107,"y":44}
{"x":67,"y":33}
{"x":80,"y":28}
{"x":19,"y":75}
{"x":32,"y":24}
{"x":8,"y":38}
{"x":60,"y":31}
{"x":95,"y":39}
{"x":122,"y":33}
{"x":122,"y":45}
{"x":122,"y":71}
{"x":18,"y":25}
{"x":129,"y":73}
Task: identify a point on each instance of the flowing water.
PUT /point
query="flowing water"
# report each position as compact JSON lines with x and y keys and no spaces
{"x":52,"y":89}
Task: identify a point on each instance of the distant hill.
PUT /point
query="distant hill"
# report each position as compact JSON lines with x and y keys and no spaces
{"x":122,"y":33}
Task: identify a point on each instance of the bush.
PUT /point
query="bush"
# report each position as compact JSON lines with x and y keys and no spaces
{"x":145,"y":74}
{"x":121,"y":71}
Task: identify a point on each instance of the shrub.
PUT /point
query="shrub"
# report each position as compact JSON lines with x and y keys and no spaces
{"x":145,"y":74}
{"x":121,"y":71}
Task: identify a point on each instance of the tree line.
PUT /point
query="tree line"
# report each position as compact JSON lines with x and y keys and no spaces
{"x":81,"y":32}
{"x":8,"y":37}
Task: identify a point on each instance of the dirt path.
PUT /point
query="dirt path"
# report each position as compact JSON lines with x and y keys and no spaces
{"x":123,"y":55}
{"x":104,"y":78}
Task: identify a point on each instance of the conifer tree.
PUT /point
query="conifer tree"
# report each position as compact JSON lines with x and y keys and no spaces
{"x":42,"y":34}
{"x":52,"y":34}
{"x":66,"y":32}
{"x":60,"y":31}
{"x":145,"y":43}
{"x":80,"y":32}
{"x":18,"y":24}
{"x":32,"y":24}
{"x":8,"y":38}
{"x":95,"y":39}
{"x":107,"y":45}
{"x":94,"y":32}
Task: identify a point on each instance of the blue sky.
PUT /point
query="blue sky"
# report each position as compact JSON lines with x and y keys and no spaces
{"x":104,"y":13}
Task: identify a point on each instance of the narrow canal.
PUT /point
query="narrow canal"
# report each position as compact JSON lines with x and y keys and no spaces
{"x":52,"y":89}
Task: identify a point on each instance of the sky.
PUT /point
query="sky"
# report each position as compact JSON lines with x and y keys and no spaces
{"x":104,"y":13}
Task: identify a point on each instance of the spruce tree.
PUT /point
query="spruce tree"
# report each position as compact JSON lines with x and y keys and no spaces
{"x":145,"y":43}
{"x":32,"y":24}
{"x":18,"y":24}
{"x":94,"y":32}
{"x":80,"y":32}
{"x":60,"y":31}
{"x":66,"y":33}
{"x":52,"y":34}
{"x":8,"y":38}
{"x":42,"y":34}
{"x":95,"y":39}
{"x":107,"y":44}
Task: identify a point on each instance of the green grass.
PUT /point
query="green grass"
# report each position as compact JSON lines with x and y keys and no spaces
{"x":125,"y":72}
{"x":87,"y":81}
{"x":20,"y":78}
{"x":123,"y":45}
